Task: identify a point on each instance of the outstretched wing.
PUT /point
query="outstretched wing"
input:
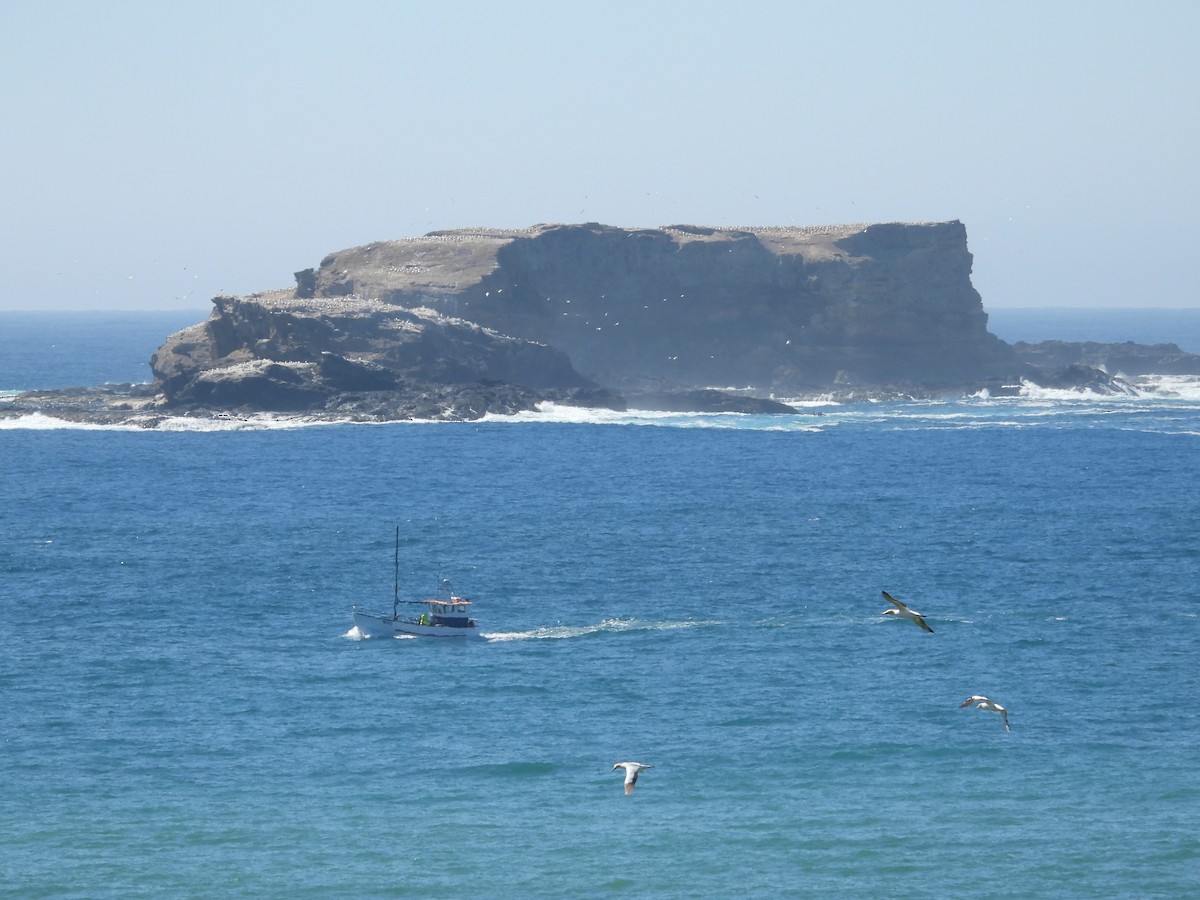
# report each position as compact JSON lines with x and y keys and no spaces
{"x":890,"y":599}
{"x":630,"y":781}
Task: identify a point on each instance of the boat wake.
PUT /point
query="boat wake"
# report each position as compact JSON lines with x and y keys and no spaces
{"x":355,"y":635}
{"x":559,"y":632}
{"x":608,"y":626}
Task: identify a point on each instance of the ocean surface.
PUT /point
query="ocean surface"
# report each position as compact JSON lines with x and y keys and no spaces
{"x":185,"y":710}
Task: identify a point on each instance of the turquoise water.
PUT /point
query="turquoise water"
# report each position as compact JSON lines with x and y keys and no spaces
{"x":187,"y":713}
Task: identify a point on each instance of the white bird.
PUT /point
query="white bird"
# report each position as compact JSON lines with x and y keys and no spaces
{"x":904,"y":612}
{"x":982,"y":702}
{"x":631,"y":773}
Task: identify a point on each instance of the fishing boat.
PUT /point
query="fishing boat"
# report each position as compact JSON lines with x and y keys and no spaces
{"x":445,"y":616}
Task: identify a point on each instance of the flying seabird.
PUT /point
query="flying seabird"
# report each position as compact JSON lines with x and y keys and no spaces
{"x":904,"y":612}
{"x":982,"y":702}
{"x":631,"y":773}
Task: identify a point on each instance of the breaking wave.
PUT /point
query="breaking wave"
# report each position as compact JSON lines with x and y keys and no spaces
{"x":550,"y":412}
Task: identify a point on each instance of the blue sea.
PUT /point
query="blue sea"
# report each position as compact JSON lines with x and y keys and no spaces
{"x":187,"y":711}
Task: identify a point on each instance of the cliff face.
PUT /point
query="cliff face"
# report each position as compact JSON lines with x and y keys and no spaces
{"x":780,"y":309}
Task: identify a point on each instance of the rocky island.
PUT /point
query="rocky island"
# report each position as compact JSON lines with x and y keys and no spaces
{"x":458,"y":324}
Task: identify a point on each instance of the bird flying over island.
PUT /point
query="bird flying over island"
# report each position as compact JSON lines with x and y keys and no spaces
{"x":982,"y":702}
{"x":904,"y":612}
{"x":631,"y":773}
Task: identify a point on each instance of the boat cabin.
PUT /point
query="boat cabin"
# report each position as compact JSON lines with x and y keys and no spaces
{"x":454,"y":613}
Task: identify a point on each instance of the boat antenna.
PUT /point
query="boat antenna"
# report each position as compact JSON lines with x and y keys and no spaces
{"x":396,"y":577}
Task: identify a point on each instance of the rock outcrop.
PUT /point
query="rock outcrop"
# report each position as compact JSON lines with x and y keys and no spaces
{"x":459,"y":324}
{"x":358,"y":358}
{"x":1125,"y":358}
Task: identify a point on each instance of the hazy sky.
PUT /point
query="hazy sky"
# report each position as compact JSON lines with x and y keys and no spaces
{"x":156,"y":154}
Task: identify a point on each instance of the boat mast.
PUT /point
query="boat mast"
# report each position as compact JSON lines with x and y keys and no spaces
{"x":396,"y":578}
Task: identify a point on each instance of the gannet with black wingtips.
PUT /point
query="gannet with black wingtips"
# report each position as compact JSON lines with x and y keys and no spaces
{"x":631,"y":773}
{"x":904,"y":612}
{"x":982,"y":702}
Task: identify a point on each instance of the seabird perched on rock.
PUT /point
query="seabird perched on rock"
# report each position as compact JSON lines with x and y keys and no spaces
{"x":982,"y":702}
{"x":904,"y":612}
{"x":631,"y":773}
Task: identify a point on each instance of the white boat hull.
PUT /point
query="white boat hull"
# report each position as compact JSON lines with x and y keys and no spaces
{"x":374,"y":625}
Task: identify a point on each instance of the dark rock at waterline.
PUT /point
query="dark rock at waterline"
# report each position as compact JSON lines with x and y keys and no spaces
{"x":1125,"y":358}
{"x":1078,"y":378}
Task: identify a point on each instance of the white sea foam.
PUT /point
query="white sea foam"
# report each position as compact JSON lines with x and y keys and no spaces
{"x":1156,"y":412}
{"x":550,"y":412}
{"x":41,"y":422}
{"x":1031,"y":391}
{"x":38,"y":421}
{"x":255,"y":422}
{"x":1182,"y":387}
{"x":1033,"y":406}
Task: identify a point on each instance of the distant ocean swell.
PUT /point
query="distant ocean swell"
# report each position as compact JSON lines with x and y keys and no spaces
{"x":185,"y":713}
